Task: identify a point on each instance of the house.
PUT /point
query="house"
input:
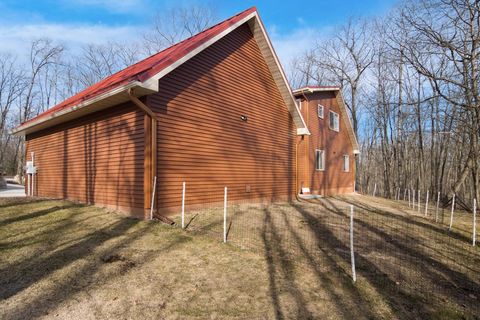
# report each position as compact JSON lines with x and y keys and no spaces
{"x":213,"y":110}
{"x":326,"y":157}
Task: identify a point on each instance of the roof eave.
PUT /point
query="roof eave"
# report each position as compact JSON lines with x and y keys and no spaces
{"x":94,"y":104}
{"x":313,"y":90}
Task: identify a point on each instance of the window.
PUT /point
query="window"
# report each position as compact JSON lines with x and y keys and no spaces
{"x":346,"y":163}
{"x":334,"y":121}
{"x":320,"y":159}
{"x":299,"y":103}
{"x":320,"y":111}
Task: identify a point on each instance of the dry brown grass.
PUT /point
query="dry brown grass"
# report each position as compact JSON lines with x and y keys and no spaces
{"x":63,"y":260}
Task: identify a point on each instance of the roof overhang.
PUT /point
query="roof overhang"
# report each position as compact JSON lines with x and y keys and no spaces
{"x":343,"y":109}
{"x":119,"y":94}
{"x":108,"y":99}
{"x":307,"y":89}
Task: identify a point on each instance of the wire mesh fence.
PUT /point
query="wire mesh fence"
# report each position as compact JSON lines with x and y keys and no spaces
{"x":400,"y":251}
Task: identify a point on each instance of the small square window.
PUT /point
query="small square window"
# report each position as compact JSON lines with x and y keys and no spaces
{"x":320,"y":159}
{"x":346,"y":163}
{"x":320,"y":111}
{"x":334,"y":121}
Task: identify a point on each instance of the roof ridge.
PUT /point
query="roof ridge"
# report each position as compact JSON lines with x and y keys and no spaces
{"x":180,"y":42}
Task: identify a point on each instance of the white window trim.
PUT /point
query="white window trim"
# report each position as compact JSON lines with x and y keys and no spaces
{"x":338,"y":121}
{"x":319,"y":106}
{"x":346,"y":165}
{"x":323,"y":159}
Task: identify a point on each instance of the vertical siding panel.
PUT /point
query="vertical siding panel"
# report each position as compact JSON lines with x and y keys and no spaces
{"x":203,"y":141}
{"x":96,"y":159}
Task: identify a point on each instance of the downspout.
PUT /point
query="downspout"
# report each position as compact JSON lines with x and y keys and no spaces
{"x":307,"y":164}
{"x":296,"y":170}
{"x":153,"y":141}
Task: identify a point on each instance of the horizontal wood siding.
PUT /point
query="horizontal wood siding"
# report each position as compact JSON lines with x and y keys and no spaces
{"x":202,"y":139}
{"x":333,"y":180}
{"x":96,"y":159}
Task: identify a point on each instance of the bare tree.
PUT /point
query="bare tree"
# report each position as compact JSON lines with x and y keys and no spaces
{"x":97,"y":62}
{"x":11,"y":86}
{"x":176,"y":24}
{"x":444,"y":47}
{"x":345,"y":58}
{"x":43,"y":53}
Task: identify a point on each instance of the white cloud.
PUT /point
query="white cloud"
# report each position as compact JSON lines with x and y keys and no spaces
{"x":16,"y":38}
{"x":291,"y":45}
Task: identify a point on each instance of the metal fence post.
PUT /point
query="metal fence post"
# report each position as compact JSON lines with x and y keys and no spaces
{"x":352,"y":253}
{"x":183,"y":205}
{"x":225,"y":216}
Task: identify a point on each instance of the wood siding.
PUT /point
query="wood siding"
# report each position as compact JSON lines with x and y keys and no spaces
{"x":97,"y":159}
{"x":202,"y":139}
{"x":333,"y":180}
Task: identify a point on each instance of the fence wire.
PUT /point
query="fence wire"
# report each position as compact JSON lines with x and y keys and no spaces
{"x":399,"y":251}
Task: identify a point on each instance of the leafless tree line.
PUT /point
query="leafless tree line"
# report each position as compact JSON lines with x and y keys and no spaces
{"x":411,"y":82}
{"x":50,"y":72}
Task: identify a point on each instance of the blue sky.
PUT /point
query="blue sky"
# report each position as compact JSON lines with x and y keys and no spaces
{"x":291,"y":24}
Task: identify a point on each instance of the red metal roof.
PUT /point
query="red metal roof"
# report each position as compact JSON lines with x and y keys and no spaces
{"x":148,"y":67}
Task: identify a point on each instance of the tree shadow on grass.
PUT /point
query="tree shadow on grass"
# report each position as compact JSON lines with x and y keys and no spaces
{"x":402,"y":301}
{"x":408,"y":219}
{"x":394,"y":296}
{"x":33,"y":215}
{"x":279,"y":264}
{"x":17,"y":278}
{"x":15,"y":202}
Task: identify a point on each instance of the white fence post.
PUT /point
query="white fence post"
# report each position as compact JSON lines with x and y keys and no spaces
{"x":153,"y":197}
{"x":183,"y":205}
{"x":451,"y":214}
{"x":352,"y":253}
{"x":409,"y":202}
{"x":436,"y":210}
{"x":474,"y":236}
{"x":375,"y":190}
{"x":426,"y":204}
{"x":225,"y":216}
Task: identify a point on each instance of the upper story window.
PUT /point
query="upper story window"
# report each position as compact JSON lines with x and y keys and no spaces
{"x":320,"y":111}
{"x":320,"y":160}
{"x":299,"y":103}
{"x":334,"y":121}
{"x":346,"y":163}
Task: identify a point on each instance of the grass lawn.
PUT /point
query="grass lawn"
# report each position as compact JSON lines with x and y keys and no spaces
{"x":287,"y":261}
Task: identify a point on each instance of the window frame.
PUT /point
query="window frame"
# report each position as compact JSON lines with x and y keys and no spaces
{"x":346,"y":163}
{"x":322,"y":152}
{"x":320,"y":107}
{"x":336,"y":117}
